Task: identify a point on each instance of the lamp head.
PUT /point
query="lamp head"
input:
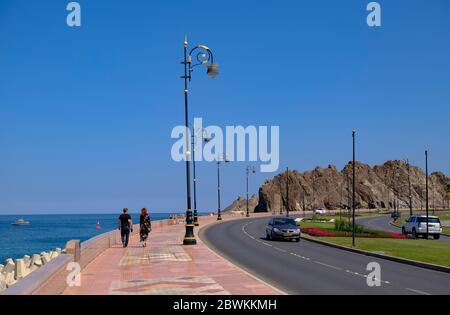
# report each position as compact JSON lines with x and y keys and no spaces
{"x":213,"y":70}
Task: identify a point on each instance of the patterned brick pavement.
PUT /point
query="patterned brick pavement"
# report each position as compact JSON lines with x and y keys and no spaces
{"x":166,"y":267}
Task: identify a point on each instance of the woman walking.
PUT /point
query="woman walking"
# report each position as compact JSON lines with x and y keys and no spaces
{"x":145,"y":226}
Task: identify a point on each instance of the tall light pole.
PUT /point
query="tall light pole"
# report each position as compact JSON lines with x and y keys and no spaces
{"x":203,"y":57}
{"x":287,"y":191}
{"x":219,"y":159}
{"x":354,"y":193}
{"x":349,"y":201}
{"x":281,"y":197}
{"x":426,"y":187}
{"x":249,"y":169}
{"x":194,"y":142}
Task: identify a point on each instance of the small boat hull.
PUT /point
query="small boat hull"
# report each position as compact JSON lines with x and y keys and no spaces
{"x":20,"y":222}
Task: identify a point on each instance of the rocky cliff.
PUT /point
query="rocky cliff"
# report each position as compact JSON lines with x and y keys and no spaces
{"x":240,"y":205}
{"x":376,"y":187}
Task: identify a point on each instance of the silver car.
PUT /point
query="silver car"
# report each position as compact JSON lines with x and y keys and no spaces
{"x":417,"y":226}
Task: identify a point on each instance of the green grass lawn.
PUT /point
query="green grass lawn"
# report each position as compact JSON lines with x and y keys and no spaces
{"x":444,"y":217}
{"x":421,"y":250}
{"x":330,"y":227}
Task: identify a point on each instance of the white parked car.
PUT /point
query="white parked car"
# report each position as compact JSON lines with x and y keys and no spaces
{"x":320,"y":211}
{"x":417,"y":225}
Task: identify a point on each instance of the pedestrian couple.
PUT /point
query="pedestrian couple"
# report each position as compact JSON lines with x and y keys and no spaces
{"x":125,"y":225}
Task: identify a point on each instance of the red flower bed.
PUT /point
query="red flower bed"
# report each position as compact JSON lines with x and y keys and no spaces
{"x":396,"y":235}
{"x":317,"y":232}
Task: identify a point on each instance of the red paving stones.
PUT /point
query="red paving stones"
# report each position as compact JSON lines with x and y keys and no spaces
{"x":166,"y":267}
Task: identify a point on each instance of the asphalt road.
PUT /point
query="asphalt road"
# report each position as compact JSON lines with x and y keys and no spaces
{"x":310,"y":268}
{"x":382,"y":224}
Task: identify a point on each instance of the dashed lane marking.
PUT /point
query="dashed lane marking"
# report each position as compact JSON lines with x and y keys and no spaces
{"x":315,"y":261}
{"x":365,"y":276}
{"x":327,"y":265}
{"x":417,"y":291}
{"x":281,"y":250}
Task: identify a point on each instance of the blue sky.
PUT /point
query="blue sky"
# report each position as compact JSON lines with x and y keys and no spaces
{"x":86,"y":113}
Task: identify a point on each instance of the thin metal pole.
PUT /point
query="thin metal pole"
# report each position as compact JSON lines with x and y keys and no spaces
{"x":195,"y":179}
{"x":349,"y":200}
{"x":287,"y":191}
{"x":219,"y":216}
{"x":304,"y":204}
{"x":426,"y":186}
{"x":248,"y":212}
{"x":281,"y":197}
{"x":189,"y":238}
{"x":353,"y":201}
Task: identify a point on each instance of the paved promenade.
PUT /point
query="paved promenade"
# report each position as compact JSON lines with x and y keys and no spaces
{"x":166,"y":267}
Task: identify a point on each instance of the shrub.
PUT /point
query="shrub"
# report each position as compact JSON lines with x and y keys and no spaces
{"x":346,"y":226}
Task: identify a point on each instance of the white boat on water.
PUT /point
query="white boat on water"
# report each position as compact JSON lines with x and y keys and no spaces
{"x":21,"y":222}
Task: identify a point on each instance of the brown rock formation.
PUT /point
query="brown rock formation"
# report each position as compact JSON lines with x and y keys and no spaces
{"x":376,"y":187}
{"x":240,"y":205}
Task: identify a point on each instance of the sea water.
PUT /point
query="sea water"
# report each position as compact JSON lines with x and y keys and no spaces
{"x":46,"y":232}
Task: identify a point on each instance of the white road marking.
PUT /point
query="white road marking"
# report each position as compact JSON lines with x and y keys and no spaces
{"x":326,"y":265}
{"x":417,"y":291}
{"x":317,"y":262}
{"x":365,"y":276}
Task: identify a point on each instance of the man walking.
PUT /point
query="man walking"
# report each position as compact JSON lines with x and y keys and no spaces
{"x":125,"y":225}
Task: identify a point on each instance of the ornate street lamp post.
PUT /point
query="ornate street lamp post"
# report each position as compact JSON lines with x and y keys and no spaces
{"x":205,"y":57}
{"x":194,"y":142}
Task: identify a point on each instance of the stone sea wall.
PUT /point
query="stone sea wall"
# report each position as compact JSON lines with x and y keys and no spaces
{"x":51,"y":277}
{"x":13,"y":271}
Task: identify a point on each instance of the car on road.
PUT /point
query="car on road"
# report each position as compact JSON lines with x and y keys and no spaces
{"x":416,"y":225}
{"x":283,"y":228}
{"x":320,"y":211}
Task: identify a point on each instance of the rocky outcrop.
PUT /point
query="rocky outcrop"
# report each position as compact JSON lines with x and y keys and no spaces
{"x":376,"y":187}
{"x":240,"y":205}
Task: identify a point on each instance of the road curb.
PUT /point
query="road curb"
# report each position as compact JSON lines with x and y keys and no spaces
{"x":391,"y":258}
{"x":393,"y":224}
